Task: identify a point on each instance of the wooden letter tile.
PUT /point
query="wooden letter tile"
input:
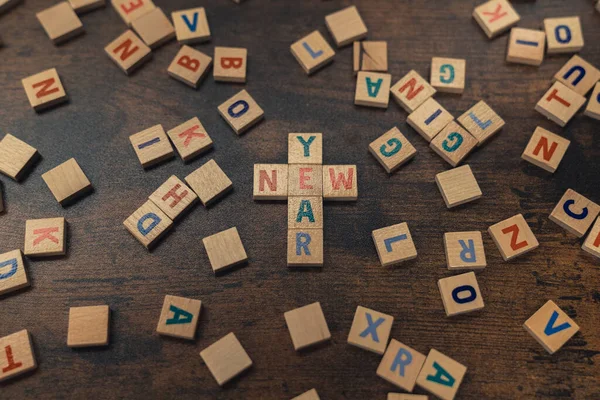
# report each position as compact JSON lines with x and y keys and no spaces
{"x":513,"y":237}
{"x":464,"y":250}
{"x":130,"y":10}
{"x":179,"y":317}
{"x":441,"y":375}
{"x":67,"y":182}
{"x":209,"y":182}
{"x":310,"y":395}
{"x":370,"y":56}
{"x":270,"y":182}
{"x":575,"y":213}
{"x":453,"y":144}
{"x":481,"y":122}
{"x":305,"y":148}
{"x":190,"y":139}
{"x":560,"y":104}
{"x":545,"y":149}
{"x":448,"y":74}
{"x":225,"y":250}
{"x":458,"y":186}
{"x":392,"y":150}
{"x":88,"y":326}
{"x":346,"y":26}
{"x":564,"y":35}
{"x":551,"y":327}
{"x":83,"y":6}
{"x":429,"y":119}
{"x":148,"y":224}
{"x":44,"y":89}
{"x":230,"y":64}
{"x":16,"y":157}
{"x":394,"y":244}
{"x":191,"y":25}
{"x":45,"y":237}
{"x":411,"y":91}
{"x":592,"y":242}
{"x":305,"y":248}
{"x":305,"y":180}
{"x":370,"y":330}
{"x":400,"y":365}
{"x":154,"y":28}
{"x":340,"y":182}
{"x":312,"y":52}
{"x":152,"y":146}
{"x":372,"y":89}
{"x":60,"y":22}
{"x":226,"y":359}
{"x":189,"y":66}
{"x":593,"y":108}
{"x":526,"y":46}
{"x":128,"y":52}
{"x":241,"y":112}
{"x":578,"y":75}
{"x":173,"y":197}
{"x":13,"y":275}
{"x":495,"y":17}
{"x":305,"y":212}
{"x":460,"y":294}
{"x":16,"y":355}
{"x":307,"y":326}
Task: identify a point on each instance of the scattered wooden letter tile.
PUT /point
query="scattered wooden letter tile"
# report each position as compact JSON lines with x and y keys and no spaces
{"x":340,"y":182}
{"x":190,"y":139}
{"x":88,"y":326}
{"x":560,"y":104}
{"x":16,"y":355}
{"x":148,"y":224}
{"x":593,"y":107}
{"x":346,"y":26}
{"x":152,"y":146}
{"x":13,"y":275}
{"x":131,"y":10}
{"x":241,"y":112}
{"x":411,"y":91}
{"x":429,"y":119}
{"x":441,"y":375}
{"x":83,"y":6}
{"x":394,"y":244}
{"x":305,"y":212}
{"x":404,"y":396}
{"x":226,"y":359}
{"x":372,"y":89}
{"x":495,"y":17}
{"x":592,"y":242}
{"x":67,"y":181}
{"x":60,"y":22}
{"x":305,"y":180}
{"x":189,"y":66}
{"x":578,"y":75}
{"x":209,"y":182}
{"x":307,"y":326}
{"x":392,"y":150}
{"x":16,"y":157}
{"x":545,"y":149}
{"x":460,"y":294}
{"x":270,"y":182}
{"x":191,"y":25}
{"x":179,"y":317}
{"x":370,"y":56}
{"x":551,"y":327}
{"x":400,"y":365}
{"x":526,"y":46}
{"x":45,"y":237}
{"x":305,"y":148}
{"x":310,"y":395}
{"x":464,"y":250}
{"x":225,"y":250}
{"x":575,"y":213}
{"x":230,"y":64}
{"x":128,"y":52}
{"x":44,"y":89}
{"x":305,"y":248}
{"x":448,"y":74}
{"x":458,"y":186}
{"x":173,"y":197}
{"x":481,"y":121}
{"x":312,"y":52}
{"x":513,"y":237}
{"x":370,"y":330}
{"x":154,"y":28}
{"x":564,"y":35}
{"x":453,"y":144}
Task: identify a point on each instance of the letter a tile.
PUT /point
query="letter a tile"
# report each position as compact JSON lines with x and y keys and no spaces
{"x":128,"y":52}
{"x":441,"y":375}
{"x":551,"y":327}
{"x":372,"y":89}
{"x":392,"y":150}
{"x":179,"y":317}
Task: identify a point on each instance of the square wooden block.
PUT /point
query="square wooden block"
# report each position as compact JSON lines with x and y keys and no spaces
{"x":400,"y":365}
{"x":453,"y":144}
{"x":458,"y":186}
{"x":578,"y":75}
{"x":305,"y":148}
{"x":67,"y":181}
{"x":526,"y":46}
{"x":592,"y":242}
{"x":575,"y":213}
{"x":545,"y":149}
{"x":241,"y":112}
{"x":346,"y":26}
{"x":190,"y":139}
{"x":404,"y":396}
{"x":60,"y":22}
{"x":513,"y":237}
{"x":44,"y":89}
{"x":189,"y":66}
{"x":83,"y":6}
{"x":392,"y":150}
{"x":593,"y":108}
{"x":464,"y":250}
{"x":370,"y":330}
{"x":448,"y":74}
{"x":230,"y":64}
{"x":152,"y":146}
{"x":173,"y":197}
{"x":154,"y":28}
{"x":148,"y":224}
{"x":88,"y":326}
{"x":305,"y":248}
{"x":429,"y":119}
{"x":305,"y":212}
{"x":460,"y":294}
{"x":310,"y":395}
{"x":191,"y":25}
{"x":225,"y":250}
{"x":411,"y":91}
{"x":307,"y":326}
{"x":481,"y":121}
{"x":16,"y":157}
{"x":13,"y":275}
{"x":340,"y":182}
{"x":131,"y":10}
{"x":226,"y":359}
{"x":495,"y":17}
{"x":370,"y":56}
{"x":394,"y":244}
{"x":312,"y":52}
{"x":564,"y":35}
{"x":441,"y":375}
{"x":16,"y":355}
{"x":305,"y":180}
{"x":179,"y":317}
{"x":551,"y":327}
{"x":209,"y":182}
{"x":270,"y":182}
{"x":560,"y":104}
{"x":45,"y":237}
{"x":372,"y":89}
{"x":128,"y":52}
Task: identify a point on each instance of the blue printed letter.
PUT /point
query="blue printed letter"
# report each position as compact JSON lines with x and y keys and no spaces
{"x":302,"y":242}
{"x":462,"y":300}
{"x":313,"y":54}
{"x":179,"y":316}
{"x":373,"y":88}
{"x":447,"y":68}
{"x":401,"y":362}
{"x":581,"y":215}
{"x":305,"y":211}
{"x":155,"y":221}
{"x":550,"y":329}
{"x":243,"y":111}
{"x":372,"y":328}
{"x":468,"y":252}
{"x":13,"y":268}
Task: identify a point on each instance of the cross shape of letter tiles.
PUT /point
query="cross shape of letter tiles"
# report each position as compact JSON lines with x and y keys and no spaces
{"x":305,"y":182}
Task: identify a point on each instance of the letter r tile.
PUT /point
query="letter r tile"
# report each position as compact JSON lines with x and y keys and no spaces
{"x":441,"y":375}
{"x":400,"y":365}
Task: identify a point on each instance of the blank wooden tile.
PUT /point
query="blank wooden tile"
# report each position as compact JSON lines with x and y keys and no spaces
{"x":190,"y":139}
{"x":305,"y":212}
{"x":372,"y":89}
{"x":191,"y":25}
{"x":241,"y":112}
{"x":179,"y":317}
{"x":189,"y":66}
{"x":225,"y":250}
{"x":458,"y":186}
{"x":481,"y":121}
{"x":312,"y":52}
{"x":83,"y":6}
{"x":67,"y":181}
{"x":16,"y":157}
{"x":411,"y":91}
{"x":429,"y":119}
{"x":593,"y":106}
{"x":464,"y":250}
{"x":495,"y":17}
{"x":340,"y":182}
{"x":578,"y":75}
{"x":154,"y":28}
{"x":346,"y":26}
{"x":513,"y":237}
{"x":372,"y":56}
{"x":16,"y":355}
{"x":305,"y":248}
{"x":209,"y":182}
{"x":310,"y":395}
{"x":400,"y":365}
{"x":370,"y":330}
{"x":128,"y":52}
{"x":152,"y":146}
{"x":460,"y":294}
{"x":173,"y":197}
{"x":564,"y":35}
{"x":404,"y":396}
{"x":560,"y":104}
{"x":441,"y":375}
{"x":545,"y":149}
{"x":226,"y":359}
{"x":305,"y":180}
{"x":44,"y":90}
{"x":551,"y":327}
{"x":575,"y":213}
{"x":131,"y":10}
{"x":305,"y":148}
{"x":60,"y":22}
{"x":45,"y":237}
{"x":270,"y":182}
{"x":394,"y":244}
{"x":88,"y":326}
{"x":592,"y":242}
{"x":453,"y":144}
{"x":230,"y":64}
{"x":307,"y":326}
{"x":526,"y":46}
{"x":392,"y":150}
{"x":13,"y":275}
{"x":148,"y":224}
{"x":448,"y":74}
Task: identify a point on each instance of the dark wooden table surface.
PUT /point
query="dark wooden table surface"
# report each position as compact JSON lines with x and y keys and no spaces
{"x":106,"y":265}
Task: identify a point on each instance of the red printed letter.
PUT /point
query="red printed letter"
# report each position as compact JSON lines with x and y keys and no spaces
{"x":554,"y":96}
{"x":263,"y":177}
{"x":127,"y":51}
{"x":45,"y":233}
{"x":341,"y":179}
{"x":190,"y":63}
{"x":543,"y":145}
{"x":514,"y":229}
{"x":496,"y":15}
{"x":45,"y":86}
{"x":231,"y":62}
{"x":597,"y":241}
{"x":304,"y":178}
{"x":412,"y":92}
{"x":11,"y":361}
{"x":132,"y":6}
{"x":176,"y":197}
{"x":190,"y":134}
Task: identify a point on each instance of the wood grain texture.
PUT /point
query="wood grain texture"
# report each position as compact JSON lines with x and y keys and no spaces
{"x":106,"y":265}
